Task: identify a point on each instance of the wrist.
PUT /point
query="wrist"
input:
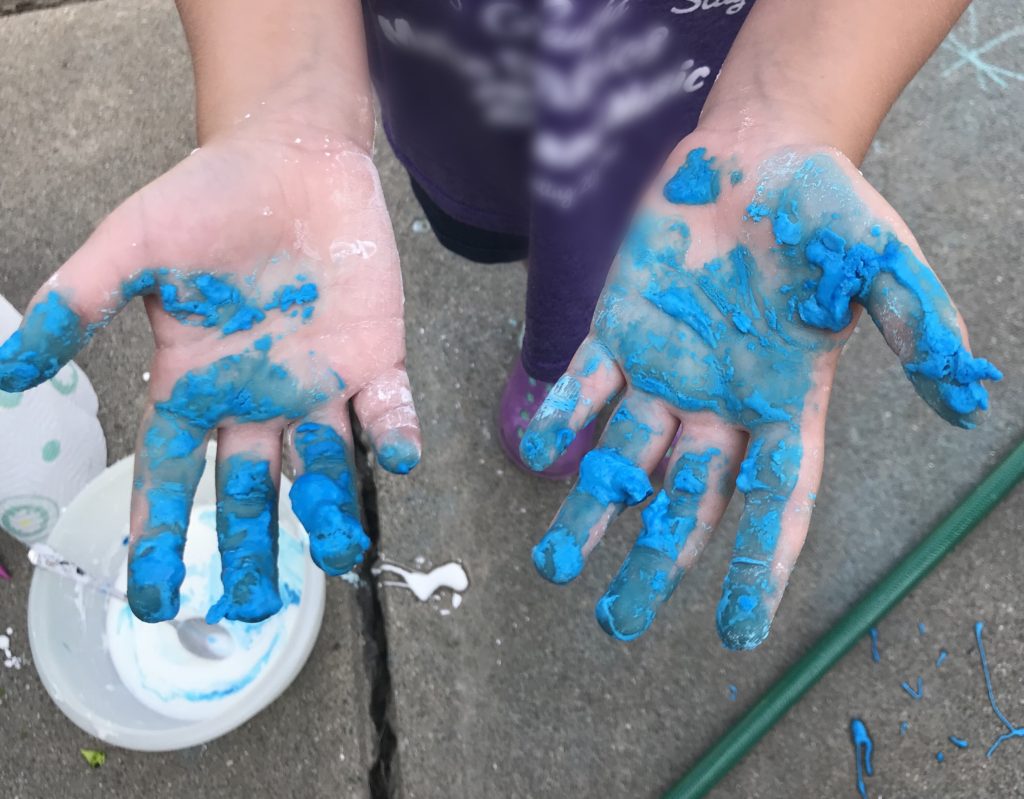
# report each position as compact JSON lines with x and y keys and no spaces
{"x":299,"y":112}
{"x":265,"y":64}
{"x":786,"y":118}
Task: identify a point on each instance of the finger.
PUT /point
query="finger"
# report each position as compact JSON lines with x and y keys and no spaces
{"x":78,"y":298}
{"x":248,"y":472}
{"x":875,"y":260}
{"x":169,"y":462}
{"x":779,"y":479}
{"x":917,"y":317}
{"x":591,"y":380}
{"x":323,"y":495}
{"x":676,"y":526}
{"x":612,"y":476}
{"x":385,"y":410}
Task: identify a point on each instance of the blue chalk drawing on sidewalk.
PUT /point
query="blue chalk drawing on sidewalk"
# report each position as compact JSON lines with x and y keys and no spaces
{"x":970,"y":53}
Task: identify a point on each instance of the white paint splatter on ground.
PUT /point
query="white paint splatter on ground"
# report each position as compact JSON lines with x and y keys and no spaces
{"x":11,"y":661}
{"x":424,"y":585}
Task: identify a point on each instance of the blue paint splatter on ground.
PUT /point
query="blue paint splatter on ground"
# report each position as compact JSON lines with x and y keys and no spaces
{"x":903,"y":728}
{"x":862,"y":750}
{"x":1012,"y":731}
{"x":921,"y":629}
{"x":943,"y":654}
{"x":910,"y":691}
{"x":875,"y":655}
{"x":733,"y":692}
{"x":959,"y":743}
{"x":939,"y":756}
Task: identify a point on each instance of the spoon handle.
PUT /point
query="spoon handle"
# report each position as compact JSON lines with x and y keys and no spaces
{"x":48,"y":559}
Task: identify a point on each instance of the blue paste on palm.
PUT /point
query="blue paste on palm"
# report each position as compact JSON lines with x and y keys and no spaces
{"x":649,"y":574}
{"x":324,"y":499}
{"x":889,"y":281}
{"x":247,"y":537}
{"x":733,"y":339}
{"x":696,"y":182}
{"x":203,"y":299}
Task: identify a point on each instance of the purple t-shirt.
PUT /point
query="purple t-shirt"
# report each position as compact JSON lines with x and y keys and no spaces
{"x":546,"y":118}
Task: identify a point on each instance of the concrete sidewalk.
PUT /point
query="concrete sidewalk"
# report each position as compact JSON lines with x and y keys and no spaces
{"x":518,"y":693}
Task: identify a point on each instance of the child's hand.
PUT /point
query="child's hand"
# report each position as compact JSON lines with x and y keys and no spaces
{"x":270,"y":275}
{"x":725,"y":314}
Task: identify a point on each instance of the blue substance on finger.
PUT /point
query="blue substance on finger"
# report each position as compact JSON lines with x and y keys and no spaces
{"x":651,"y":572}
{"x":323,"y":497}
{"x":48,"y":337}
{"x":696,"y":182}
{"x":247,"y":387}
{"x":890,"y":281}
{"x":398,"y":454}
{"x":609,"y":478}
{"x":549,"y":433}
{"x":247,"y":536}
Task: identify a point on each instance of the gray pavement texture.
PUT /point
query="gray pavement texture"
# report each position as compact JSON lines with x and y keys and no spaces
{"x":518,"y":693}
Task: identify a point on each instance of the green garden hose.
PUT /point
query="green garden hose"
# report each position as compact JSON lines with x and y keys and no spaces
{"x":731,"y":748}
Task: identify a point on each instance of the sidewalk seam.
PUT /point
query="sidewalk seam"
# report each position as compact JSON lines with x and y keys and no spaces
{"x":23,"y":6}
{"x":383,"y":772}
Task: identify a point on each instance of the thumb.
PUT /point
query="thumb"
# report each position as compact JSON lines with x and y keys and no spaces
{"x":78,"y":299}
{"x":915,"y":314}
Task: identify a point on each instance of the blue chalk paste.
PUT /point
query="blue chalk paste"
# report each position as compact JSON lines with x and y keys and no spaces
{"x":49,"y":337}
{"x":549,"y":434}
{"x":287,"y":297}
{"x":247,"y":538}
{"x":862,"y":751}
{"x":651,"y":572}
{"x":696,"y":182}
{"x":398,"y":454}
{"x":843,"y":269}
{"x":247,"y":387}
{"x":324,"y":499}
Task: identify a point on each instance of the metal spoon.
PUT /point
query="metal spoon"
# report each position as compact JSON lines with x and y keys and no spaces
{"x":209,"y":641}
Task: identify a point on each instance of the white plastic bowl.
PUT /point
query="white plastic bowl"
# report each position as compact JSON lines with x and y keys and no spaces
{"x":66,"y":628}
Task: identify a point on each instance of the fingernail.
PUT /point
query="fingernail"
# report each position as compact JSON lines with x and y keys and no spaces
{"x":559,"y":557}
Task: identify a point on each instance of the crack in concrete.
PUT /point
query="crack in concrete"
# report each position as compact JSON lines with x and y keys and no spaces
{"x":383,"y":773}
{"x":9,"y":7}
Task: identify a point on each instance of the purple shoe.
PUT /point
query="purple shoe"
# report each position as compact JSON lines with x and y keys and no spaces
{"x":519,"y":402}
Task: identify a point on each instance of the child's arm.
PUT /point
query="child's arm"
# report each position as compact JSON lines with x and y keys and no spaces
{"x":270,"y":275}
{"x":300,"y":64}
{"x":742,"y":278}
{"x":826,"y":71}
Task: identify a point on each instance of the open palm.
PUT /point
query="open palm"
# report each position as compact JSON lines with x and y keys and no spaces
{"x":723,"y":320}
{"x":272,"y":283}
